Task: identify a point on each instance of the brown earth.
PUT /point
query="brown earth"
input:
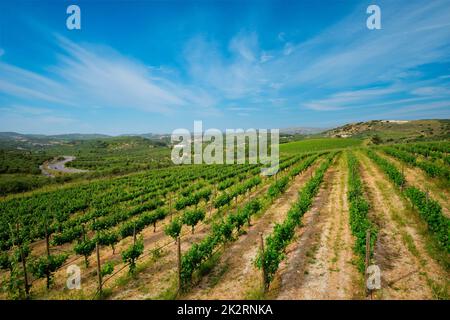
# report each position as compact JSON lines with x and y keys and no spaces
{"x":319,"y":263}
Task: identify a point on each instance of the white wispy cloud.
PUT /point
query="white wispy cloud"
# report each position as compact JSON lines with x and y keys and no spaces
{"x":34,"y":123}
{"x":89,"y":76}
{"x":341,"y":58}
{"x":346,"y":99}
{"x":432,"y":91}
{"x":26,"y":110}
{"x":348,"y":53}
{"x":436,"y":107}
{"x":238,"y":76}
{"x":265,"y":57}
{"x":243,"y":109}
{"x":288,"y":48}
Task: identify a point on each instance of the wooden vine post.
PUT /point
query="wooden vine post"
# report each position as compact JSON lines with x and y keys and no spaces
{"x":84,"y":232}
{"x":25,"y":275}
{"x":86,"y":261}
{"x":24,"y":265}
{"x":48,"y":247}
{"x":179,"y":264}
{"x":263,"y":269}
{"x":170,"y":207}
{"x":211,"y":203}
{"x":47,"y":242}
{"x":99,"y":273}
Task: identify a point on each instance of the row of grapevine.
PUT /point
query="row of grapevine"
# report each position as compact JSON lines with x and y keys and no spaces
{"x":283,"y":233}
{"x":221,"y":233}
{"x":430,"y":210}
{"x":305,"y":164}
{"x":359,"y":209}
{"x":395,"y":175}
{"x":431,"y":169}
{"x":432,"y":151}
{"x":226,"y":197}
{"x":193,"y":199}
{"x":280,"y":185}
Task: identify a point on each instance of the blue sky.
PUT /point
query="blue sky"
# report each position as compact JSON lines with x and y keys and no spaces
{"x":153,"y":66}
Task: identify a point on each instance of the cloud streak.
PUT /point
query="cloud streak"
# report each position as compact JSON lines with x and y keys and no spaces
{"x":87,"y":76}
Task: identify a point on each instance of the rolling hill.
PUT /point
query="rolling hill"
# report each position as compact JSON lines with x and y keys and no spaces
{"x":394,"y":130}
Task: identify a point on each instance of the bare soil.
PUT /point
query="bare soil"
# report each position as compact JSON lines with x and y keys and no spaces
{"x":319,"y":263}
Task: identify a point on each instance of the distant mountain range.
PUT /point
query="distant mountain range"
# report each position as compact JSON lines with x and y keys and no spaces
{"x":72,"y":136}
{"x":389,"y":129}
{"x":92,"y":136}
{"x":67,"y":137}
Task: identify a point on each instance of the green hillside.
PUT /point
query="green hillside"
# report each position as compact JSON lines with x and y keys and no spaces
{"x":394,"y":130}
{"x":319,"y":144}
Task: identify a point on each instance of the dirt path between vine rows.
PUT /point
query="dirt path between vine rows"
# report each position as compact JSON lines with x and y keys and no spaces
{"x":235,"y":275}
{"x":416,"y":177}
{"x":407,"y":270}
{"x":319,"y":263}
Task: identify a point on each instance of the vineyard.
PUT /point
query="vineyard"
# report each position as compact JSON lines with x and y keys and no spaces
{"x":227,"y":232}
